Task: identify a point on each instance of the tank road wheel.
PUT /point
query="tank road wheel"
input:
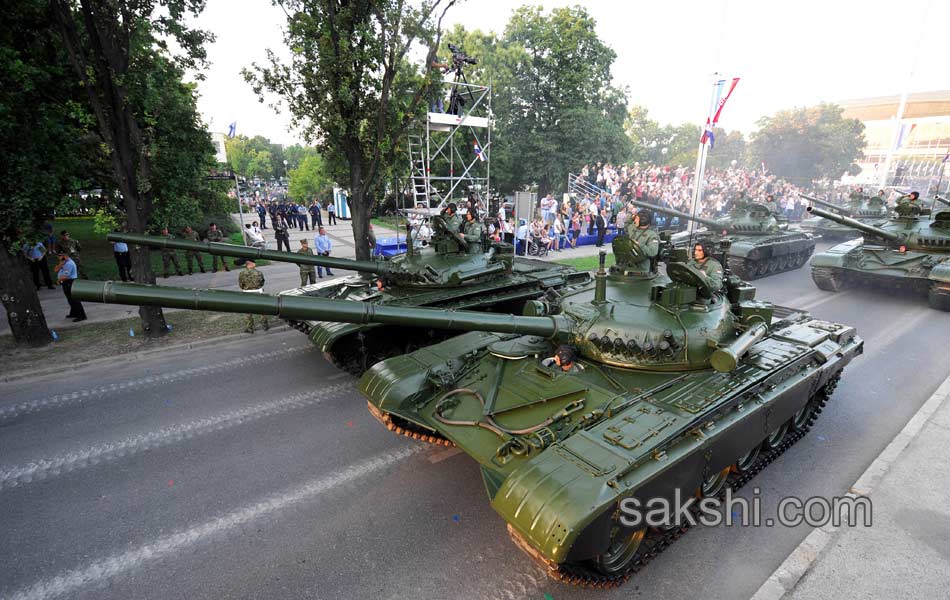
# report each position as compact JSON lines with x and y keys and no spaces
{"x":783,"y":263}
{"x":774,"y":439}
{"x":938,"y":297}
{"x":746,"y":461}
{"x":827,"y":279}
{"x":761,"y":268}
{"x":621,"y":553}
{"x":802,"y":419}
{"x":714,"y":484}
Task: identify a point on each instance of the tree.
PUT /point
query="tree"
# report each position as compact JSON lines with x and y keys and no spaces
{"x":646,"y":136}
{"x":805,"y":144}
{"x":729,"y":147}
{"x":309,"y":180}
{"x":120,"y":52}
{"x":564,"y":111}
{"x":350,"y":88}
{"x":46,"y":149}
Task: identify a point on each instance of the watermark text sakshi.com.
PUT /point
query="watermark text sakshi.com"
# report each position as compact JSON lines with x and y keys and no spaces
{"x":791,"y":511}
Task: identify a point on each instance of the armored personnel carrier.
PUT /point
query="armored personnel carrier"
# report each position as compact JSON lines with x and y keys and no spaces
{"x":760,"y":244}
{"x":867,"y":210}
{"x":448,"y":274}
{"x":635,"y":387}
{"x":910,"y":251}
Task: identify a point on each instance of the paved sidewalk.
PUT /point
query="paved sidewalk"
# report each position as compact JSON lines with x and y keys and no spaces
{"x":906,"y":551}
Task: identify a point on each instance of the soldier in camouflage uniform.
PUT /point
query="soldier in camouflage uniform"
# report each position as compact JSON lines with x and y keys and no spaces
{"x":646,"y":242}
{"x":307,"y":272}
{"x":473,"y":232}
{"x":169,"y":256}
{"x":251,"y":281}
{"x":709,"y":268}
{"x":215,"y":235}
{"x":72,"y":248}
{"x":192,"y":255}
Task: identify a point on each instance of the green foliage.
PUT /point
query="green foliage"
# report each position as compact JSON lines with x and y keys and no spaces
{"x":350,"y":88}
{"x":563,"y":109}
{"x":729,"y":147}
{"x":805,"y":144}
{"x":309,"y":180}
{"x":104,"y":222}
{"x":46,"y":150}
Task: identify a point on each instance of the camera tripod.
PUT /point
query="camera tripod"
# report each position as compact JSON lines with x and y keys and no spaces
{"x":460,"y":94}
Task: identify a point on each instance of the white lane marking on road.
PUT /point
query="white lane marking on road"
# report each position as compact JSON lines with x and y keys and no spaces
{"x":826,"y":297}
{"x":101,"y":570}
{"x":99,"y":453}
{"x":437,"y":457}
{"x":14,"y":410}
{"x":882,"y":338}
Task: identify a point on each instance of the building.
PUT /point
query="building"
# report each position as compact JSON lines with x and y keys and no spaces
{"x":922,"y":140}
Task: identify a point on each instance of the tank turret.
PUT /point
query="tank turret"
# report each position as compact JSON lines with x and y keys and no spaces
{"x":855,"y":224}
{"x":759,"y":244}
{"x":838,"y":209}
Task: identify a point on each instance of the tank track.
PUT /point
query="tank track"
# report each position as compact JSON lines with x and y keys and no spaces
{"x":657,"y":541}
{"x":408,"y":429}
{"x":748,"y":269}
{"x":938,"y":297}
{"x":827,"y":279}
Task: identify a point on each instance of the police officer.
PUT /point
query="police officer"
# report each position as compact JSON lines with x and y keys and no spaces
{"x":169,"y":256}
{"x":709,"y":268}
{"x":69,"y":273}
{"x":307,"y":273}
{"x":646,"y":242}
{"x":215,"y":235}
{"x":251,"y":280}
{"x":473,"y":232}
{"x":192,"y":255}
{"x":73,"y":248}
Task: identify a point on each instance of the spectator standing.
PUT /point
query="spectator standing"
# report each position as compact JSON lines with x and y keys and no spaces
{"x":316,"y":219}
{"x":73,"y":248}
{"x":68,"y":273}
{"x":262,"y":214}
{"x":601,"y":223}
{"x":331,"y":213}
{"x":323,"y":246}
{"x":36,"y":254}
{"x":120,"y":250}
{"x":281,"y":234}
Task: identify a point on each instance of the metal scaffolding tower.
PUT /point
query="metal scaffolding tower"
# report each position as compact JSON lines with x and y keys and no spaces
{"x":451,"y":156}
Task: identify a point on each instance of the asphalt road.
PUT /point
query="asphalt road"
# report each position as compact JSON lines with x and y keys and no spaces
{"x":252,"y":470}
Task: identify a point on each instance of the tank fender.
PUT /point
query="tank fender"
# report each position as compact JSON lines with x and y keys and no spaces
{"x":941,"y":272}
{"x":838,"y":255}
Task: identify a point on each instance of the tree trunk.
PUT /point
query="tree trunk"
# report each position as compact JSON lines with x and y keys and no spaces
{"x":544,"y":186}
{"x":19,"y":297}
{"x":360,"y":210}
{"x":153,"y":318}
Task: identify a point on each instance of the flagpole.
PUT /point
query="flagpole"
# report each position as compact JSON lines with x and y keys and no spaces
{"x":701,"y":160}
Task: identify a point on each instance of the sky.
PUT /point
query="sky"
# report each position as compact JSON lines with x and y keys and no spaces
{"x":787,"y":54}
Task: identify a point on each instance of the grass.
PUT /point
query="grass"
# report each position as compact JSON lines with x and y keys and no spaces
{"x":394,"y":223}
{"x":98,"y":262}
{"x":585,"y":263}
{"x":111,"y":338}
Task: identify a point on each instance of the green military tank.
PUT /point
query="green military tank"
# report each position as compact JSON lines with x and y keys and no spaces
{"x":451,"y":273}
{"x":760,"y":244}
{"x":910,"y":251}
{"x":636,"y":387}
{"x":864,"y":209}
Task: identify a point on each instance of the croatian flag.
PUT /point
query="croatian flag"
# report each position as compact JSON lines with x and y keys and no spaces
{"x":232,"y":129}
{"x":478,"y":152}
{"x":708,"y":135}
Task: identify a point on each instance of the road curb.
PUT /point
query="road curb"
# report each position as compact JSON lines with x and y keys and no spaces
{"x":784,"y":579}
{"x":133,"y":356}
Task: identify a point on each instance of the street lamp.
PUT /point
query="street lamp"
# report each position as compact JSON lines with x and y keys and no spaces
{"x":286,"y":174}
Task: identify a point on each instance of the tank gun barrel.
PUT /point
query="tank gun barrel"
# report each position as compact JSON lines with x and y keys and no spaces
{"x":319,"y":309}
{"x":675,"y":213}
{"x":854,"y":224}
{"x":250,"y":253}
{"x":943,"y":201}
{"x":726,"y":359}
{"x":826,"y":204}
